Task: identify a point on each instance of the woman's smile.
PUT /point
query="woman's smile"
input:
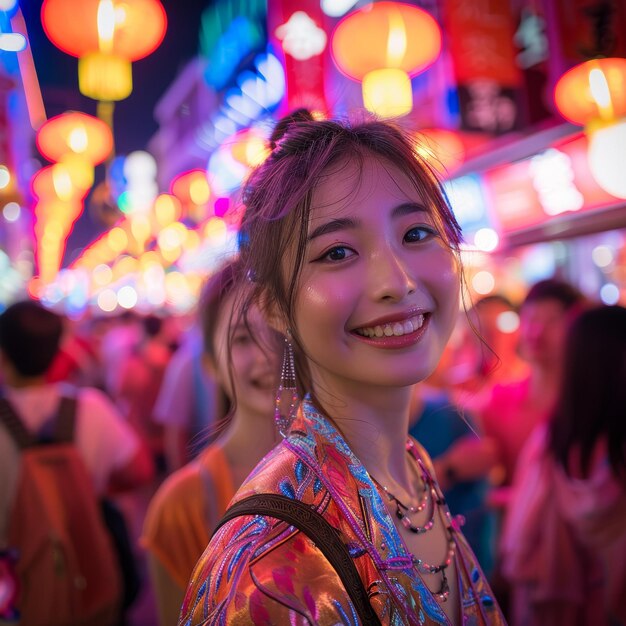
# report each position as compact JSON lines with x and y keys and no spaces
{"x":399,"y":324}
{"x":378,"y":275}
{"x":398,"y":334}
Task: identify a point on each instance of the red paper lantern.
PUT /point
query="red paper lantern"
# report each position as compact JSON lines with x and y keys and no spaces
{"x":593,"y":91}
{"x":72,"y":26}
{"x":386,"y":34}
{"x":75,"y":134}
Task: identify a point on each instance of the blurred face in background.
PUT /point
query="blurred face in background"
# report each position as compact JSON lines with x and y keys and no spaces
{"x":253,"y":358}
{"x":498,"y":324}
{"x":542,"y":332}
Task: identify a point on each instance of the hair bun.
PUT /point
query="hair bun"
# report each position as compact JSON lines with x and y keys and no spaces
{"x":294,"y":117}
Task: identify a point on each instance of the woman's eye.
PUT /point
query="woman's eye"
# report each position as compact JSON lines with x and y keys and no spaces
{"x":338,"y":253}
{"x":418,"y":233}
{"x":241,"y":339}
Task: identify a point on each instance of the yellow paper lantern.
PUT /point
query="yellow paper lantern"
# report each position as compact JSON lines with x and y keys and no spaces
{"x":388,"y":92}
{"x":105,"y":76}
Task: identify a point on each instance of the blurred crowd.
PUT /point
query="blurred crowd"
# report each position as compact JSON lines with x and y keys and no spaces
{"x":524,"y":418}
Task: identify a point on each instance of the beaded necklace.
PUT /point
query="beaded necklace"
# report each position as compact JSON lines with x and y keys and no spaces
{"x":403,"y":511}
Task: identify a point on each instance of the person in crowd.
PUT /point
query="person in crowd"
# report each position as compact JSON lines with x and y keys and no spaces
{"x":352,"y":254}
{"x":122,"y":335}
{"x":487,"y":353}
{"x":564,"y":542}
{"x":190,"y":502}
{"x":78,"y":359}
{"x":114,"y":456}
{"x":140,"y":377}
{"x":514,"y":409}
{"x":189,"y":404}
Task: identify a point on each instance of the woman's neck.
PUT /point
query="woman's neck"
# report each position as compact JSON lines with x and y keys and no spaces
{"x":374,"y":422}
{"x":248,"y":439}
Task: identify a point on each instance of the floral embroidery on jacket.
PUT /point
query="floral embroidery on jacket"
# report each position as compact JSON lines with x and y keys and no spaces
{"x":258,"y":570}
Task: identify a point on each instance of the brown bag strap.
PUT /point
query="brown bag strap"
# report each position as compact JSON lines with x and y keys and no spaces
{"x":314,"y":526}
{"x":63,"y":426}
{"x":22,"y":437}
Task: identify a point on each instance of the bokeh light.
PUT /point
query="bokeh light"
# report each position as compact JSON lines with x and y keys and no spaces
{"x":11,"y":211}
{"x":483,"y":282}
{"x":507,"y":322}
{"x":609,"y":293}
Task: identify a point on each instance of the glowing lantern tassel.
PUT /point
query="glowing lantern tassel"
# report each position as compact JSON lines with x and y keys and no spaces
{"x":387,"y":92}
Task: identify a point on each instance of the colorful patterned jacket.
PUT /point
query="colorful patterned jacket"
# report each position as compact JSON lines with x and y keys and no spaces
{"x":258,"y":570}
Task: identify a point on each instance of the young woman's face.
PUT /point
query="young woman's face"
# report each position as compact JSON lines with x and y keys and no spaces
{"x":542,"y":332}
{"x":253,"y":357}
{"x":379,"y":291}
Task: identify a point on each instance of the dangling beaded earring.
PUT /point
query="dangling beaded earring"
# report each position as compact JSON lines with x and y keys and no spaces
{"x":287,"y":393}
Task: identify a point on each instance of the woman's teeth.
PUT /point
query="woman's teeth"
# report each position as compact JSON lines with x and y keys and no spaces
{"x":397,"y":328}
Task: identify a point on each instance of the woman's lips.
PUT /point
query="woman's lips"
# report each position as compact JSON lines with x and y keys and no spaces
{"x":396,"y":328}
{"x":395,"y":341}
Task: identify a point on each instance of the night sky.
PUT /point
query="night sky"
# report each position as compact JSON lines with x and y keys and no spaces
{"x":134,"y":123}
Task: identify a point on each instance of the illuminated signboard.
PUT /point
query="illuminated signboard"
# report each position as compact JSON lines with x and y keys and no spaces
{"x":467,"y":200}
{"x":550,"y":184}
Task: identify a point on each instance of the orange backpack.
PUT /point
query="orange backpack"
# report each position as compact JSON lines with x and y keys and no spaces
{"x":66,"y":567}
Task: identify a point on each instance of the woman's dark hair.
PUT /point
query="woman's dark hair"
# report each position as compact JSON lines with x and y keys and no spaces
{"x":216,"y":289}
{"x":592,"y":400}
{"x":278,"y":198}
{"x":30,"y":336}
{"x":555,"y":289}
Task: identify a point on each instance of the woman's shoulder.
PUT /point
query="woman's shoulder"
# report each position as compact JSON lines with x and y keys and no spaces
{"x":179,"y":491}
{"x":182,"y":497}
{"x":258,"y":569}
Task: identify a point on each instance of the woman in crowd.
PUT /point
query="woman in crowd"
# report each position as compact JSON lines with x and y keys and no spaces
{"x":352,"y":254}
{"x":187,"y":506}
{"x":564,"y":542}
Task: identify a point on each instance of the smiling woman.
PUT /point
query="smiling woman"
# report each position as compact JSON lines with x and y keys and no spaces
{"x":352,"y":253}
{"x":184,"y":510}
{"x":375,"y":249}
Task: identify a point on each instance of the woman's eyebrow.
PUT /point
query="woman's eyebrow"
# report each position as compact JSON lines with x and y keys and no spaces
{"x":406,"y":208}
{"x":343,"y":223}
{"x":348,"y":223}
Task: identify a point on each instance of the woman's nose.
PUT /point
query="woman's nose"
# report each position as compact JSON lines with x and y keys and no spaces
{"x":391,"y":277}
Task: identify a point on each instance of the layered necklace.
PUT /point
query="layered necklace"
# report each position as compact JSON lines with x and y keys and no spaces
{"x":430,"y":498}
